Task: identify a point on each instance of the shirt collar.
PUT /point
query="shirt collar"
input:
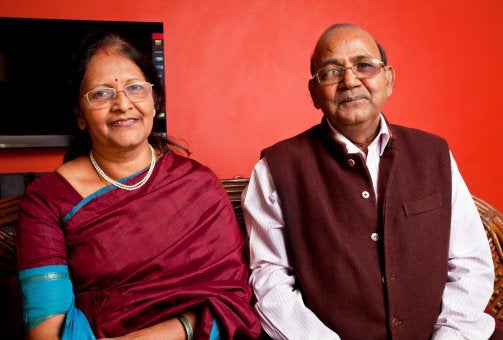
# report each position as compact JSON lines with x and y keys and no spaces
{"x":381,"y":139}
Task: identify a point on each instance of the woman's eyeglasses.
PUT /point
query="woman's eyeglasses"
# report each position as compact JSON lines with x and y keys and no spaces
{"x":104,"y":97}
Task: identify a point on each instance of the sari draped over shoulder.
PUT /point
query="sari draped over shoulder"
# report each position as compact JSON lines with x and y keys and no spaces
{"x":137,"y":258}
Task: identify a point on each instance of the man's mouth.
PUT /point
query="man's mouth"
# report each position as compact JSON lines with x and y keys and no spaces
{"x":351,"y":99}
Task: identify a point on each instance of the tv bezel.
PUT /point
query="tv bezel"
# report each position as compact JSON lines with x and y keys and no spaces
{"x":35,"y":141}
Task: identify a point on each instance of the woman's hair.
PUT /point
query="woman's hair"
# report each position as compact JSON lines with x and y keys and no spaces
{"x":113,"y":42}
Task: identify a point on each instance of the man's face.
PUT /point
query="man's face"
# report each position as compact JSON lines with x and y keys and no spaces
{"x":351,"y":103}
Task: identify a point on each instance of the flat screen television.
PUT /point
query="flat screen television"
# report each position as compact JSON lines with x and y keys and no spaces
{"x":34,"y":59}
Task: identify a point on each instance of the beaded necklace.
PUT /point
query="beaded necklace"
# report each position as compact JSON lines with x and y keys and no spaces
{"x":118,"y":184}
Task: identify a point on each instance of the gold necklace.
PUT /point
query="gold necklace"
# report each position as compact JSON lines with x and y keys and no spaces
{"x":119,"y":184}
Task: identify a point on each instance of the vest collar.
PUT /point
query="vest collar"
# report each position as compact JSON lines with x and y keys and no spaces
{"x":383,"y":139}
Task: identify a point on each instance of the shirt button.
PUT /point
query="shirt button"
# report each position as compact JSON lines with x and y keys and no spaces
{"x":374,"y":237}
{"x":351,"y":162}
{"x":365,"y":194}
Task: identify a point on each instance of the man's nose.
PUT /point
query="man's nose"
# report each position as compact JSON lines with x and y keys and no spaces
{"x":349,"y":78}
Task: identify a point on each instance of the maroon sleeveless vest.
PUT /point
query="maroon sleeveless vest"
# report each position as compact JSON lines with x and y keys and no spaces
{"x":369,"y":270}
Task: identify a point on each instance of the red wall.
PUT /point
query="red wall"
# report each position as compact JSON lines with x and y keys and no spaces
{"x":237,"y":70}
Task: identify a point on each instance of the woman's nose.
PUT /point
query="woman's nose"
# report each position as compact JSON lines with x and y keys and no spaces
{"x":122,"y":101}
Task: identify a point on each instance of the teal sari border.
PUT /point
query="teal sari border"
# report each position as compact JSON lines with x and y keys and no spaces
{"x":96,"y":194}
{"x":48,"y":291}
{"x":86,"y":200}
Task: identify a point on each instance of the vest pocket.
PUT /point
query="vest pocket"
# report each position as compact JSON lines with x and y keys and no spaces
{"x":422,"y":205}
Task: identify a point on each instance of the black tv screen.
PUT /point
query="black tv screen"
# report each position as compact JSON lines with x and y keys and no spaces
{"x":34,"y":59}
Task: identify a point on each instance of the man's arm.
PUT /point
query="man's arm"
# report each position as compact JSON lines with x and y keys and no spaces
{"x":279,"y":304}
{"x":470,"y":276}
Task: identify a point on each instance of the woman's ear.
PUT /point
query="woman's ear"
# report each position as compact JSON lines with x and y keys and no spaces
{"x":312,"y":91}
{"x":81,"y":122}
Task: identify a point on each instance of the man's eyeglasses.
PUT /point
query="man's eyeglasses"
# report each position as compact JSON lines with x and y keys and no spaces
{"x":104,"y":97}
{"x":364,"y":69}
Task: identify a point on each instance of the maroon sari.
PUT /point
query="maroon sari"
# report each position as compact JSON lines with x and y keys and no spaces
{"x":139,"y":257}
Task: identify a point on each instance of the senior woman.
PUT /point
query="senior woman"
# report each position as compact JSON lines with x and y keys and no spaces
{"x":128,"y":238}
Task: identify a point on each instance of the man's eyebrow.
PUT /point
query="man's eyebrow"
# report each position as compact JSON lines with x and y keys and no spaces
{"x":338,"y":62}
{"x":330,"y":61}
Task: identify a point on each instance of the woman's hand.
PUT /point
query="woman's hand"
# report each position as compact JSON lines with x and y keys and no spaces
{"x":172,"y":329}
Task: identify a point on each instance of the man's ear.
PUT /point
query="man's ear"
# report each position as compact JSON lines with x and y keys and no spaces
{"x":389,"y":73}
{"x":312,"y":91}
{"x":81,"y":123}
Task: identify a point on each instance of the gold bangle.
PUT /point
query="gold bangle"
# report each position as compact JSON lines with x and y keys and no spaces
{"x":186,"y":325}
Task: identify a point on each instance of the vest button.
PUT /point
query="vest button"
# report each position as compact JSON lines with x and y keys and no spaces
{"x":396,"y":322}
{"x":365,"y":194}
{"x":351,"y":162}
{"x":374,"y":237}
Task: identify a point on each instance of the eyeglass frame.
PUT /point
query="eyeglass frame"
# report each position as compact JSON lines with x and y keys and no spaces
{"x":114,"y":98}
{"x":343,"y":68}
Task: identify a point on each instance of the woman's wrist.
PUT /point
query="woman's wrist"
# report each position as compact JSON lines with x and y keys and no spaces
{"x":187,"y":326}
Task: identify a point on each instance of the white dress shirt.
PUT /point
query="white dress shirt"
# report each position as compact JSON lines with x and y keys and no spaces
{"x":280,"y":305}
